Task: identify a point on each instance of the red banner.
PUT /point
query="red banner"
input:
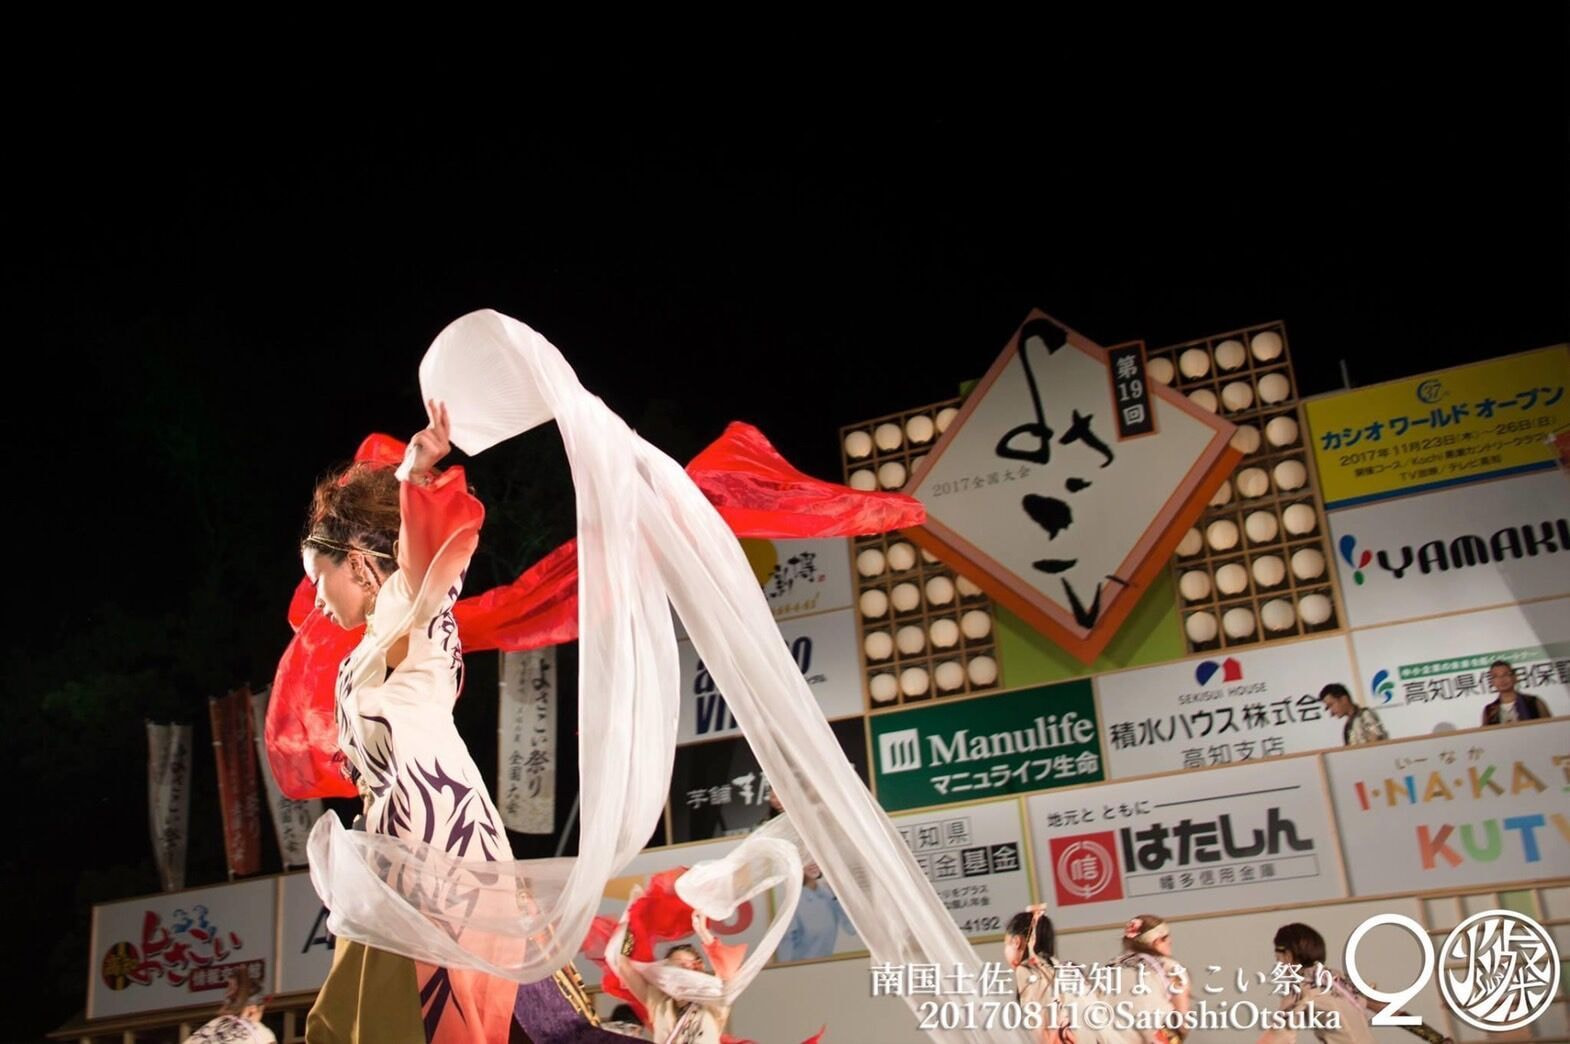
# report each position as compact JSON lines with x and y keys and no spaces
{"x":237,"y":791}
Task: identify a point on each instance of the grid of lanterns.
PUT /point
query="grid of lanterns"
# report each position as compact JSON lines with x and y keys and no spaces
{"x":925,"y":631}
{"x":1255,"y":568}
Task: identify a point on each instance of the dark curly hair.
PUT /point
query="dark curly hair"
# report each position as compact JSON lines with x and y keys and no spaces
{"x":355,"y":506}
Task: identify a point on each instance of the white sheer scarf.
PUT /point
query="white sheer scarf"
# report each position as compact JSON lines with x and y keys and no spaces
{"x":648,"y":540}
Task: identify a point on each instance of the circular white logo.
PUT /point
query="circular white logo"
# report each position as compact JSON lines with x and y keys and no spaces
{"x":1084,"y":869}
{"x":1499,"y":970}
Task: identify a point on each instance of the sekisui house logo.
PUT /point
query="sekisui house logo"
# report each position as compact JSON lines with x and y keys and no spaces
{"x":1085,"y":869}
{"x":899,"y":751}
{"x":1383,"y":686}
{"x":1348,"y":546}
{"x":1230,"y":669}
{"x":1511,"y":543}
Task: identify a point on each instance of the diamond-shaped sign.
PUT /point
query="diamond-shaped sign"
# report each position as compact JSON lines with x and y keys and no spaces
{"x":1034,"y":496}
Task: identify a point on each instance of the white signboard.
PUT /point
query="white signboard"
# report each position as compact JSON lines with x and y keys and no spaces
{"x":1225,"y":708}
{"x":799,"y":577}
{"x":748,"y":924}
{"x":824,"y":647}
{"x":526,"y":778}
{"x":974,"y":855}
{"x":1201,"y":842}
{"x":178,"y":950}
{"x":305,"y":954}
{"x":1432,"y":675}
{"x":1484,"y":807}
{"x":1463,"y":548}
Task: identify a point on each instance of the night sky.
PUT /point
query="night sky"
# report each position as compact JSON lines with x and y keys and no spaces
{"x":206,"y":313}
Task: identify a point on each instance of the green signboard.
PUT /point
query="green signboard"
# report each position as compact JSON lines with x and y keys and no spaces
{"x":1011,"y":743}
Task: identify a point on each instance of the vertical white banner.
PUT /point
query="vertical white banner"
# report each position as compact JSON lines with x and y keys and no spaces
{"x":526,"y":779}
{"x":292,"y":820}
{"x":168,"y":799}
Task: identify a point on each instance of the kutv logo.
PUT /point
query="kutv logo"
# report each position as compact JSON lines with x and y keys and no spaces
{"x":1383,"y":686}
{"x":1230,"y":669}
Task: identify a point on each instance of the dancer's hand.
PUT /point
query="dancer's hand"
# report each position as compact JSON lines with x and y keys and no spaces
{"x":700,"y":925}
{"x":431,"y":445}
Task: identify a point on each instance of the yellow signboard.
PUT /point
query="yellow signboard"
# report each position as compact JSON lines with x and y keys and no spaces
{"x":1445,"y":428}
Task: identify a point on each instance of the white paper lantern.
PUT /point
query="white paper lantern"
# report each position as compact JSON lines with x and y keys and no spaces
{"x":884,"y":688}
{"x":1230,"y":355}
{"x":1277,"y":615}
{"x":1194,"y":363}
{"x":913,"y":681}
{"x":1238,"y":623}
{"x":946,"y":417}
{"x":1200,"y":627}
{"x":1246,"y":439}
{"x":1314,"y":609}
{"x":1204,"y":398}
{"x":878,"y":645}
{"x":1237,"y":396}
{"x":910,"y":640}
{"x":905,"y":597}
{"x":891,"y":475}
{"x":928,"y":557}
{"x":1223,"y":494}
{"x":944,"y":634}
{"x":1308,"y":564}
{"x":870,"y":562}
{"x":888,"y":436}
{"x":966,"y":588}
{"x":857,"y":445}
{"x":1269,"y":571}
{"x":976,"y":624}
{"x":1191,"y":544}
{"x":901,"y":556}
{"x":1231,"y":579}
{"x":864,"y":480}
{"x":1290,"y":475}
{"x":1194,"y":585}
{"x":1274,"y":388}
{"x":1260,"y":526}
{"x":940,"y":590}
{"x":874,"y":604}
{"x":950,"y":676}
{"x":983,"y":670}
{"x":919,"y":428}
{"x":1299,"y":519}
{"x":1159,"y":370}
{"x":1252,"y":482}
{"x":1221,"y":535}
{"x":1266,"y":345}
{"x":1281,"y":431}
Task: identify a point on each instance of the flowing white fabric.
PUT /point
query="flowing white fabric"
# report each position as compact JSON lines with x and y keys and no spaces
{"x":647,"y":540}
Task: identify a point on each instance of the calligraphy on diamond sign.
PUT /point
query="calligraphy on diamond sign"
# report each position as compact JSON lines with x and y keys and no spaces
{"x":1034,"y":494}
{"x":1219,"y":840}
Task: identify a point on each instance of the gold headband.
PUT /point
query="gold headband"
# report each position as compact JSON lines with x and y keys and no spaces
{"x":333,"y":545}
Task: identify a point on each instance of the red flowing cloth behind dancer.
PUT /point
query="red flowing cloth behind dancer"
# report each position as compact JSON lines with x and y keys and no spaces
{"x":754,"y":489}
